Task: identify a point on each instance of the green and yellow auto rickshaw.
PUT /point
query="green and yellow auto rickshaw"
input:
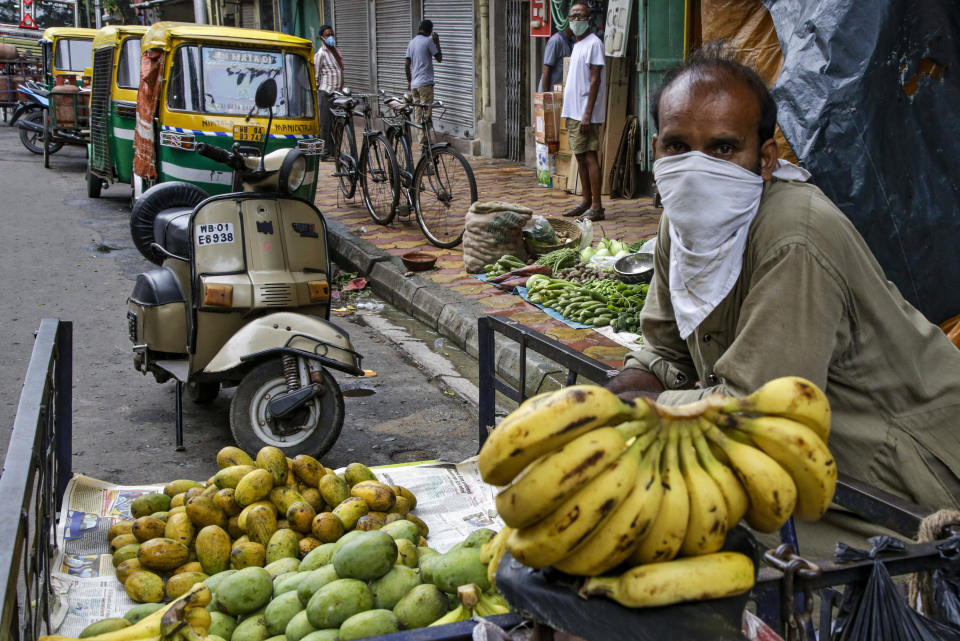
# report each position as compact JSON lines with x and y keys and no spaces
{"x":66,"y":53}
{"x":198,"y":83}
{"x":113,"y":106}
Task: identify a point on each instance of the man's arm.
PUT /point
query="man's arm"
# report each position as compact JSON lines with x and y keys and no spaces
{"x":408,"y":73}
{"x":438,"y":55}
{"x":595,"y":71}
{"x":545,"y":79}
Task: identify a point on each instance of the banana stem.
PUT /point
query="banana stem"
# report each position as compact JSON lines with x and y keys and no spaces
{"x":630,"y":429}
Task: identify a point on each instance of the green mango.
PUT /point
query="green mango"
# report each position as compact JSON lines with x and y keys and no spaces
{"x":148,"y":504}
{"x":221,"y":625}
{"x":252,"y":628}
{"x":403,"y":529}
{"x":337,"y":601}
{"x":287,"y":582}
{"x":343,"y":540}
{"x":141,"y":611}
{"x":282,"y":566}
{"x":457,"y":567}
{"x":392,"y":586}
{"x":283,"y":544}
{"x":315,"y":580}
{"x":421,"y":606}
{"x":103,"y":626}
{"x":369,"y":624}
{"x":478,"y":537}
{"x":407,"y":553}
{"x":330,"y":634}
{"x":317,"y":557}
{"x":280,"y":610}
{"x":245,"y":591}
{"x":299,"y":627}
{"x":366,"y":557}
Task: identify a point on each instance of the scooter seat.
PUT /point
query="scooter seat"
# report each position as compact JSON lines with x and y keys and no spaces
{"x":157,"y":287}
{"x":171,"y":230}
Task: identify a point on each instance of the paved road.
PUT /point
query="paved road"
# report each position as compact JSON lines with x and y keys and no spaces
{"x":64,"y":255}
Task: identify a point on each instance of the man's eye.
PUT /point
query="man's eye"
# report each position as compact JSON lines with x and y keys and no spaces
{"x":724,"y":150}
{"x":676,"y":148}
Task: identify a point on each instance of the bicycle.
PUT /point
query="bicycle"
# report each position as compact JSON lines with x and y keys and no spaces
{"x":375,"y":168}
{"x":438,"y":186}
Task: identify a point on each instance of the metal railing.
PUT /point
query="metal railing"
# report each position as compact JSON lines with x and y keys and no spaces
{"x":35,"y":474}
{"x":790,"y":575}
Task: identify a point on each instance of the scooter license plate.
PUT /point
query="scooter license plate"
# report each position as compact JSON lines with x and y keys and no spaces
{"x":214,"y":233}
{"x":249,"y":133}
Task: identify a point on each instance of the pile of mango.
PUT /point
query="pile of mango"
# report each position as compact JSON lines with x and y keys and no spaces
{"x":292,"y":550}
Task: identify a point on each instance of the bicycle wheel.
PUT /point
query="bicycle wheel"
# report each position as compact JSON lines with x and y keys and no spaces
{"x":442,"y":196}
{"x":346,"y":158}
{"x":379,"y":179}
{"x":401,"y":150}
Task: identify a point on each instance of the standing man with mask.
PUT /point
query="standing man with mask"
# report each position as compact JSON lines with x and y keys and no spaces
{"x":329,"y":69}
{"x":585,"y":108}
{"x":421,"y":52}
{"x":559,"y":46}
{"x":758,"y":275}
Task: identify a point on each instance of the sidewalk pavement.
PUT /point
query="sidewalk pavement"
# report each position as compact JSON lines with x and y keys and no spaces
{"x":447,"y":298}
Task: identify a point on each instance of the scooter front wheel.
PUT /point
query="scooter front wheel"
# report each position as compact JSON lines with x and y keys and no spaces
{"x":312,"y":429}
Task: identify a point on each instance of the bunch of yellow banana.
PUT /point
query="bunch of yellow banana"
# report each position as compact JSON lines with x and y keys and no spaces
{"x":474,"y":601}
{"x":589,"y":481}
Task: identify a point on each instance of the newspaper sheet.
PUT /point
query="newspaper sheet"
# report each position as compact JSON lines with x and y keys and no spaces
{"x":451,"y":499}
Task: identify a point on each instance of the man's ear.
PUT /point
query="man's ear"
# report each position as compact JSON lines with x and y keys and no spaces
{"x":769,"y":154}
{"x":653,"y":147}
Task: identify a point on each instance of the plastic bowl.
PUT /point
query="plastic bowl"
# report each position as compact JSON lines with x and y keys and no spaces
{"x":635,"y":268}
{"x":418,"y":261}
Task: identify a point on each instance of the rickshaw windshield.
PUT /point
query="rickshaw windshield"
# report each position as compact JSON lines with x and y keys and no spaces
{"x":72,"y":54}
{"x":128,"y":65}
{"x":220,"y":80}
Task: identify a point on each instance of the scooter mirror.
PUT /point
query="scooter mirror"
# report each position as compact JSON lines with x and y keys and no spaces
{"x":266,"y":96}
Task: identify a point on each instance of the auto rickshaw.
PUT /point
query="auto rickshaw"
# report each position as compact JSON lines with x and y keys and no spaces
{"x":113,"y":106}
{"x":67,"y":58}
{"x":198,"y":84}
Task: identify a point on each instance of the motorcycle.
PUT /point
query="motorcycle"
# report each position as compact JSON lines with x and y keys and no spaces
{"x":28,"y":116}
{"x":242,"y":298}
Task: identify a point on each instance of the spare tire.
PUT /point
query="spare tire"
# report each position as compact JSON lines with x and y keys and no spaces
{"x":159,"y":197}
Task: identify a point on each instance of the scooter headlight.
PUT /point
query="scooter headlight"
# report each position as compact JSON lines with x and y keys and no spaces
{"x":293,"y":171}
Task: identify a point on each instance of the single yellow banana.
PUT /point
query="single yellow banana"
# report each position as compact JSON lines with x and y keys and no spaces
{"x":613,"y":542}
{"x":459,"y":613}
{"x":772,"y":492}
{"x":694,"y":578}
{"x":801,"y":452}
{"x":488,"y":606}
{"x":790,"y":397}
{"x":707,"y":526}
{"x":549,"y":540}
{"x":492,"y":553}
{"x":549,"y":421}
{"x":150,"y":626}
{"x":544,"y":484}
{"x":663,"y":540}
{"x":733,"y":493}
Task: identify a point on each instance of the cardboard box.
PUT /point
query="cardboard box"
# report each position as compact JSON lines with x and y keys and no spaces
{"x":618,"y":82}
{"x":546,"y":116}
{"x":546,"y":166}
{"x":563,"y":161}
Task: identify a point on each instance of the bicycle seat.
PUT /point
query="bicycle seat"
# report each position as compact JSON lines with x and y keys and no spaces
{"x":345,"y":102}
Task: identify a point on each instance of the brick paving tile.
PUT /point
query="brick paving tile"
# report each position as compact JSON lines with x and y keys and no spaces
{"x":630,"y":220}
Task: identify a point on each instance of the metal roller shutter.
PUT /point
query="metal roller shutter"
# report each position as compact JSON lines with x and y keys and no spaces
{"x":394,"y":31}
{"x":454,"y":77}
{"x":353,"y":41}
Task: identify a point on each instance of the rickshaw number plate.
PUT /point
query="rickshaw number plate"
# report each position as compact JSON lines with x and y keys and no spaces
{"x":249,"y":133}
{"x":215,"y":233}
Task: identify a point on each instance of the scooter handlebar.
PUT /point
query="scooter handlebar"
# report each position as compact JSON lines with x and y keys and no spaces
{"x":215,"y":153}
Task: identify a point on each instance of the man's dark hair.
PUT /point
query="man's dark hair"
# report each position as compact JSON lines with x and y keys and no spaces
{"x":426,"y":27}
{"x":717,"y":58}
{"x":323,"y":28}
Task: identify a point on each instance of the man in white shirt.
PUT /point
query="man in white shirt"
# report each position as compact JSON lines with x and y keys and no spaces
{"x":328,"y":66}
{"x":585,"y":107}
{"x":421,"y":52}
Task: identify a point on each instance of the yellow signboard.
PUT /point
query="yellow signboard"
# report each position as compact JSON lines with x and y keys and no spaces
{"x":249,"y":133}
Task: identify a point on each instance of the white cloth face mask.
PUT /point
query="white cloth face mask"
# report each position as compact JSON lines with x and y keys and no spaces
{"x":710,"y":204}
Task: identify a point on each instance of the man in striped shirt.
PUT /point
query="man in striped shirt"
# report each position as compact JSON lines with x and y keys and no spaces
{"x":329,"y":69}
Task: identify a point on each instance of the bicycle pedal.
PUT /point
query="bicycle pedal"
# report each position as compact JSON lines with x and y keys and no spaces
{"x":403,"y":211}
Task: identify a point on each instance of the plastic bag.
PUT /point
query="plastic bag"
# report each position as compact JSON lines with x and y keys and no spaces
{"x":946,"y":584}
{"x":876,"y":611}
{"x":586,"y":233}
{"x":540,"y":230}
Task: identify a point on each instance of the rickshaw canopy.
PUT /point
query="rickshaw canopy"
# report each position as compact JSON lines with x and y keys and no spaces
{"x":163,"y":35}
{"x":52,"y":33}
{"x":112,"y":35}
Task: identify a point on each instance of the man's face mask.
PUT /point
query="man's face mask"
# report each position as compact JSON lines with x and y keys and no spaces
{"x":331,"y":41}
{"x":579,"y":27}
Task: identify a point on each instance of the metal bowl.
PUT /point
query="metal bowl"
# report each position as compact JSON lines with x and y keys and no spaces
{"x":635,"y":268}
{"x":418,"y":261}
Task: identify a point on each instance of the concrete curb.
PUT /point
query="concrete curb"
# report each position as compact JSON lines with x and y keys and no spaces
{"x":452,"y":316}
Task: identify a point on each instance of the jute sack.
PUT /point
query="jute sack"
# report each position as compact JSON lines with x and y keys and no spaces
{"x":491,"y":230}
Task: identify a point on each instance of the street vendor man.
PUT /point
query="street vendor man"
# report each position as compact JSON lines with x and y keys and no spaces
{"x":759,"y":275}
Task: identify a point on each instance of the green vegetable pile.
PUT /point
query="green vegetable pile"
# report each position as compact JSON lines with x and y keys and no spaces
{"x":559,"y":259}
{"x":506,"y":264}
{"x":597,"y":303}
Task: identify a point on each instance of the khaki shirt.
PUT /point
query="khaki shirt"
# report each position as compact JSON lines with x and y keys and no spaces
{"x":812,"y":301}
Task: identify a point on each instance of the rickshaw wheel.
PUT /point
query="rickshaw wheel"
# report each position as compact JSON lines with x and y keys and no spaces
{"x":94,"y":184}
{"x":311,"y":430}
